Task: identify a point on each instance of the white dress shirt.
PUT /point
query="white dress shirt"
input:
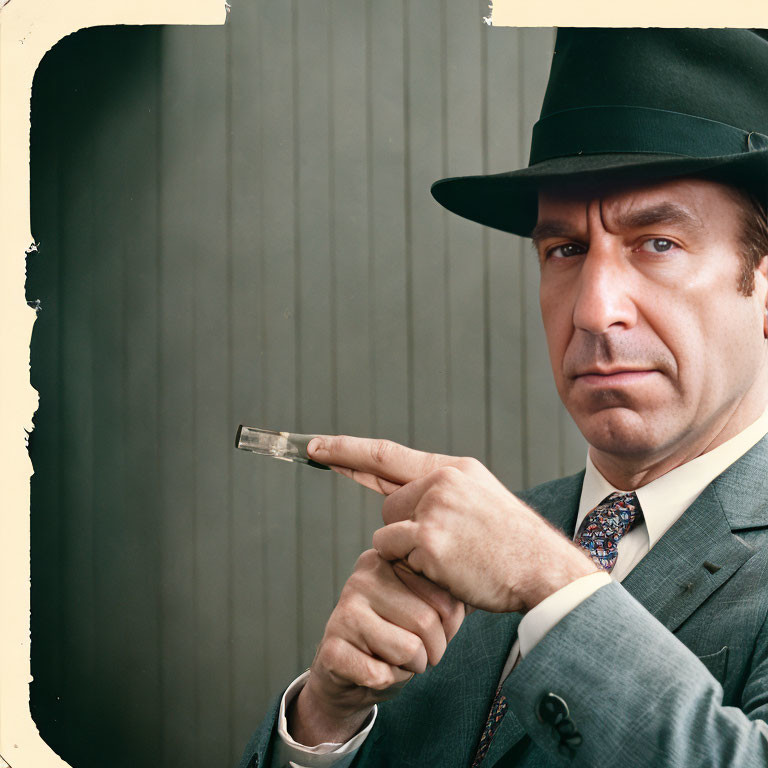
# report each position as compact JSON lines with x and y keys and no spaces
{"x":662,"y":501}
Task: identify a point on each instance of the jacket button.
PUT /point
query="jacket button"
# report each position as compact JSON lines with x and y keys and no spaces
{"x":566,"y":729}
{"x":565,"y":751}
{"x":572,"y":741}
{"x":551,"y":709}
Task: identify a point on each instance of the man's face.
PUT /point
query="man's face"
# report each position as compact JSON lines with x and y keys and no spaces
{"x":653,"y":347}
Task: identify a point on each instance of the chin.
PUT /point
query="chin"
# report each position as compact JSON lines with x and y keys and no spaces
{"x":620,"y":432}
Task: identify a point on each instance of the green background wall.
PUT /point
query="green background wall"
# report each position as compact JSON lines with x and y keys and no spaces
{"x":235,"y":225}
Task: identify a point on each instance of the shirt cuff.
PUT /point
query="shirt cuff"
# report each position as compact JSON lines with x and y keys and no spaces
{"x":540,"y":619}
{"x":290,"y":753}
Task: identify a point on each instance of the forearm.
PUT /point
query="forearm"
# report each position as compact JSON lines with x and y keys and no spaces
{"x":634,"y":692}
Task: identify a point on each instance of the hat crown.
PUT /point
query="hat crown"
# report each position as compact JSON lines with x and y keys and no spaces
{"x":717,"y":74}
{"x":635,"y":106}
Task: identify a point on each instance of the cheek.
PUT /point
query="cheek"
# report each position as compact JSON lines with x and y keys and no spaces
{"x":686,"y":343}
{"x":737,"y":341}
{"x":717,"y":346}
{"x":557,"y":318}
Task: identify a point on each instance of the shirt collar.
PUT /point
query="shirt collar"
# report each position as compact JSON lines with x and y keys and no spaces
{"x":665,"y":499}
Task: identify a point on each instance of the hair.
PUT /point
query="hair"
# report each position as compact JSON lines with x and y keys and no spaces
{"x":753,"y":238}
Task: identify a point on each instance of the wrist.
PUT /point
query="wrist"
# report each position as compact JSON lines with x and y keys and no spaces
{"x":569,"y":563}
{"x":313,"y":719}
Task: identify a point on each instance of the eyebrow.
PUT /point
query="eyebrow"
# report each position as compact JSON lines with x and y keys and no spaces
{"x":662,"y":213}
{"x":551,"y":228}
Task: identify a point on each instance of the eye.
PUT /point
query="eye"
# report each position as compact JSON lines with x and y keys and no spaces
{"x":657,"y":245}
{"x":565,"y":251}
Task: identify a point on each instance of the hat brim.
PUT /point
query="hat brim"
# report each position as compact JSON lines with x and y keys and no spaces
{"x":509,"y":201}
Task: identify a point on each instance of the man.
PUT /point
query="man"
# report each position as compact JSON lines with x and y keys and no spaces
{"x":623,"y":611}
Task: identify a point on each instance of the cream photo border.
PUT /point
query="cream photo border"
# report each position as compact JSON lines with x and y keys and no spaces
{"x":28,"y":30}
{"x":629,"y":13}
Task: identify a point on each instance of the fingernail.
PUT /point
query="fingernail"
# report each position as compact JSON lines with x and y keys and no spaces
{"x":317,"y":447}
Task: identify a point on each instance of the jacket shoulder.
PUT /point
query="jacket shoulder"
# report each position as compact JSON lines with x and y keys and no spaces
{"x":556,"y":500}
{"x":553,"y":488}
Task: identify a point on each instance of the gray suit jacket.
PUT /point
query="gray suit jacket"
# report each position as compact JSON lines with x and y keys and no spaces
{"x":669,"y":668}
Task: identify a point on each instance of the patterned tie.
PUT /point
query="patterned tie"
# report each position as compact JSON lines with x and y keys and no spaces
{"x":602,"y":528}
{"x":498,"y":708}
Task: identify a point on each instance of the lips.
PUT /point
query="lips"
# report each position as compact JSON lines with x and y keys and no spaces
{"x":614,"y":376}
{"x":612,"y":371}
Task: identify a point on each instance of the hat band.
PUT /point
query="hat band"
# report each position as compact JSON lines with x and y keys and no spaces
{"x":602,"y":130}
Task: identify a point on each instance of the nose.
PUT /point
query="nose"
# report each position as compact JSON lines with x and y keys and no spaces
{"x":604,"y":288}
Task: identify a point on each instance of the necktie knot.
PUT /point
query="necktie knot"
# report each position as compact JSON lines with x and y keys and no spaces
{"x":604,"y":526}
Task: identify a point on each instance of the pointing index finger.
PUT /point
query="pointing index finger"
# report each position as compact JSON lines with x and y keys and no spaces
{"x":381,"y":458}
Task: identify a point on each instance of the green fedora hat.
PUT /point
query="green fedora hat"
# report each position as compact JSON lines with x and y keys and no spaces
{"x":634,"y":106}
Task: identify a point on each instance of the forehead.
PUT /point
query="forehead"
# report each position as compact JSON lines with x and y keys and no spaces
{"x":707,"y":202}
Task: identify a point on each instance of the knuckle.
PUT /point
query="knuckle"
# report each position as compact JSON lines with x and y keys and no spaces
{"x":341,"y":617}
{"x":411,"y":646}
{"x":426,"y":620}
{"x":438,"y":495}
{"x":351,"y":586}
{"x":399,"y":657}
{"x":447,"y":477}
{"x":350,"y":606}
{"x":345,"y":610}
{"x":377,"y":676}
{"x":331,"y":653}
{"x":429,"y":537}
{"x":450,"y":472}
{"x":445,"y":474}
{"x":376,"y":539}
{"x":468,"y":465}
{"x":366,"y":560}
{"x":381,"y":450}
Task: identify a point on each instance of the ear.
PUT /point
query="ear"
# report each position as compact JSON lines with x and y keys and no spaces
{"x":761,"y":289}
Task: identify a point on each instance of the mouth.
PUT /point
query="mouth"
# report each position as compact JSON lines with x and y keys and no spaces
{"x":614,"y":377}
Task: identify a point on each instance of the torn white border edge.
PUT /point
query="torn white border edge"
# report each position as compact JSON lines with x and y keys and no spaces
{"x":609,"y":13}
{"x":28,"y":30}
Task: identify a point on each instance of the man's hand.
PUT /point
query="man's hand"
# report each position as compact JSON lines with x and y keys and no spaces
{"x":450,"y":519}
{"x":385,"y":627}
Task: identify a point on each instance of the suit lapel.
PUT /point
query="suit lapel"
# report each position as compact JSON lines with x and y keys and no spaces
{"x":507,"y":735}
{"x":672,"y":580}
{"x":702,"y":550}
